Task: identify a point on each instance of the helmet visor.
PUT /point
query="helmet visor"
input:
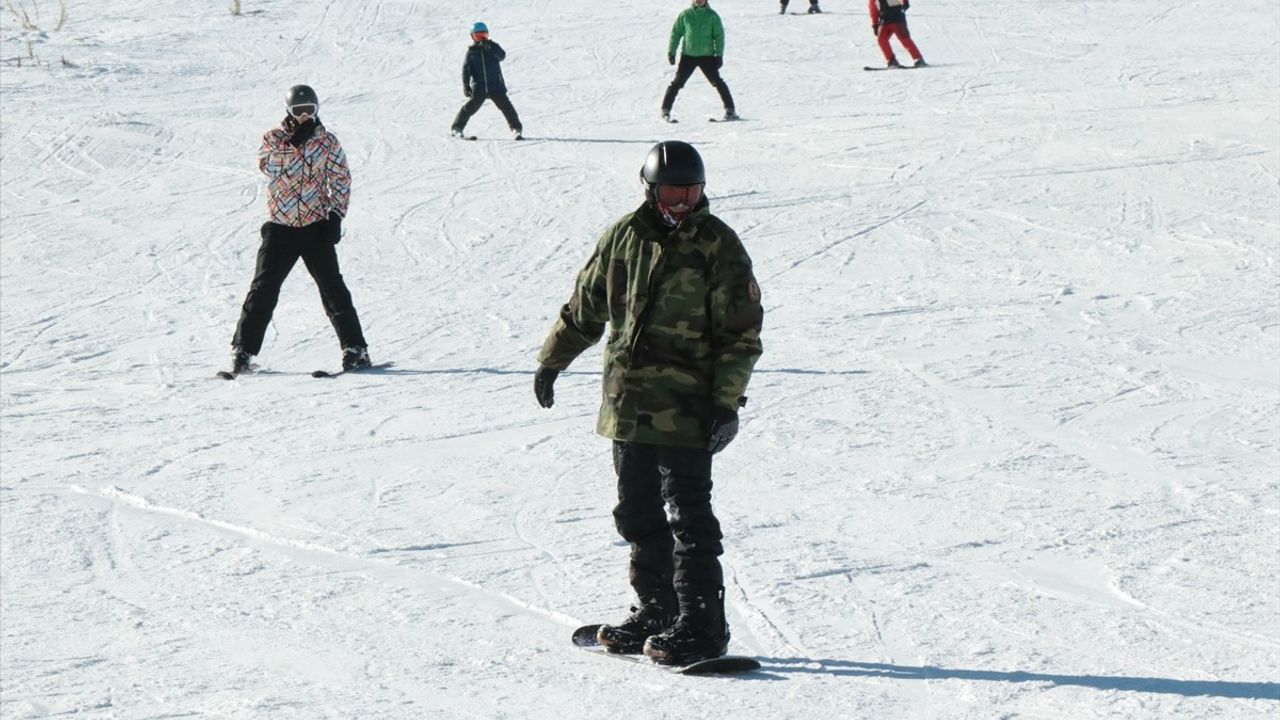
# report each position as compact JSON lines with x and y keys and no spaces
{"x":303,"y":110}
{"x":677,"y":195}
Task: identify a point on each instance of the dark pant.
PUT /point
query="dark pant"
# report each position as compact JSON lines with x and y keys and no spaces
{"x":473,"y":104}
{"x":679,"y":550}
{"x":710,"y":67}
{"x":281,"y":247}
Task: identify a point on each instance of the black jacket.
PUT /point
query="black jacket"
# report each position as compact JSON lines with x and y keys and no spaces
{"x":482,"y":70}
{"x":889,"y":15}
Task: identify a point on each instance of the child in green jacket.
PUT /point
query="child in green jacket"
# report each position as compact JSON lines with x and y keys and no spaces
{"x":702,"y":33}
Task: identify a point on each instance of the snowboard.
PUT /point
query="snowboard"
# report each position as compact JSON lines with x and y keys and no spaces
{"x":328,"y":374}
{"x":585,"y":638}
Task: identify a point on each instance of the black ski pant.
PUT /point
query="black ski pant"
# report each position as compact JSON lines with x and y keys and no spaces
{"x":664,"y":512}
{"x":281,"y":247}
{"x":476,"y":100}
{"x":710,"y":67}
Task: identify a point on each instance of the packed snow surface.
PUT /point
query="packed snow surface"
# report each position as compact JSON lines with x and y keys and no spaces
{"x":1012,"y":451}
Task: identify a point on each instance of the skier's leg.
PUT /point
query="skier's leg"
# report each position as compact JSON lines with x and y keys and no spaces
{"x":882,"y":38}
{"x":686,"y":487}
{"x":508,"y":111}
{"x":784,"y":7}
{"x":321,"y":259}
{"x":642,"y":521}
{"x":684,"y":70}
{"x":468,"y":109}
{"x":709,"y":68}
{"x":904,"y":37}
{"x":276,"y":257}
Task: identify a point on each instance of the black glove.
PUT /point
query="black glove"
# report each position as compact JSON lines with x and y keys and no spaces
{"x":466,"y":91}
{"x":302,"y":133}
{"x":875,"y":30}
{"x":671,"y":58}
{"x":333,"y":228}
{"x":724,"y":428}
{"x":544,"y":381}
{"x":719,"y":61}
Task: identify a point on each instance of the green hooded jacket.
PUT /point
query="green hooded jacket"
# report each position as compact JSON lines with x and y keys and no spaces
{"x":684,"y":315}
{"x":702,"y":31}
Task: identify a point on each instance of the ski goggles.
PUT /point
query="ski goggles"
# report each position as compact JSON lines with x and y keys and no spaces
{"x":303,"y":110}
{"x":673,"y":195}
{"x":478,"y":36}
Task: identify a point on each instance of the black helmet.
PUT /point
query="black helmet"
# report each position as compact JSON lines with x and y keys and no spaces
{"x":301,"y":95}
{"x":673,"y":163}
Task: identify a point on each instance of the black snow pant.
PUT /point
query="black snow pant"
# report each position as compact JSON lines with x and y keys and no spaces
{"x":664,"y":512}
{"x":710,"y":67}
{"x":476,"y":100}
{"x":281,"y":247}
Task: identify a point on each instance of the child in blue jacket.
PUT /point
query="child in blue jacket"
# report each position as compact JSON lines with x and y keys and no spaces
{"x":482,"y":80}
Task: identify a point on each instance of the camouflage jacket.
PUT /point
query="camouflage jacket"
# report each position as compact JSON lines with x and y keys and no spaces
{"x":683,"y":313}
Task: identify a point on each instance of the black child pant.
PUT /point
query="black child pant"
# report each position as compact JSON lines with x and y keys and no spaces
{"x":281,"y":247}
{"x":473,"y":104}
{"x":710,"y":67}
{"x":664,"y":512}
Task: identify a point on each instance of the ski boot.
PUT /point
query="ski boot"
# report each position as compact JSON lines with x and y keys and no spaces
{"x":814,"y":9}
{"x":355,"y":358}
{"x":920,"y":63}
{"x":700,"y":633}
{"x":731,"y":114}
{"x":239,"y":360}
{"x":893,"y":63}
{"x":456,"y":132}
{"x":517,"y":134}
{"x":628,"y":637}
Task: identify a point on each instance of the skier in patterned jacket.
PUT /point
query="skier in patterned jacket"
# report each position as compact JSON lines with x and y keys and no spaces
{"x":308,"y":189}
{"x":673,"y":286}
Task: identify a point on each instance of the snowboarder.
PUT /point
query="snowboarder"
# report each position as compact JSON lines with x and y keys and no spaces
{"x":700,"y":29}
{"x":308,"y":189}
{"x":889,"y":18}
{"x":673,"y":285}
{"x":482,"y":80}
{"x":813,"y":7}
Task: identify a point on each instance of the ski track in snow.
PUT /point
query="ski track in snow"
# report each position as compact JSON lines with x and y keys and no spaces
{"x":1012,"y":451}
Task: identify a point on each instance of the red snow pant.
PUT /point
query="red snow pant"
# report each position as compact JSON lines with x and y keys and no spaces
{"x":904,"y":37}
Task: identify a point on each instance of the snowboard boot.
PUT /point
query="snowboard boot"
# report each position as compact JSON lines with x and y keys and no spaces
{"x":355,"y":358}
{"x":239,"y":360}
{"x":700,"y":633}
{"x":628,"y":636}
{"x":893,"y":63}
{"x":921,"y":63}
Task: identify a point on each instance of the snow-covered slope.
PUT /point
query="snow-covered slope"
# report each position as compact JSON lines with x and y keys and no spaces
{"x":1012,"y":450}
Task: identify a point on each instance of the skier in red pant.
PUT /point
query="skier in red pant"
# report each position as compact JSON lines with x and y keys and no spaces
{"x":889,"y":18}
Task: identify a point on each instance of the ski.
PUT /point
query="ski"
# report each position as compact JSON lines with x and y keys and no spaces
{"x":585,"y":638}
{"x":870,"y":68}
{"x":227,"y":375}
{"x":328,"y":374}
{"x":460,"y":136}
{"x":720,"y":119}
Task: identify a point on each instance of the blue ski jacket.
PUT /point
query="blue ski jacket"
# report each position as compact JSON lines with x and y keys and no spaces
{"x":482,"y":69}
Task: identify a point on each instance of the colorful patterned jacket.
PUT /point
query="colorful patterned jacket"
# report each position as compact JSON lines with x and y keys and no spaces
{"x":683,"y":312}
{"x":305,"y":183}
